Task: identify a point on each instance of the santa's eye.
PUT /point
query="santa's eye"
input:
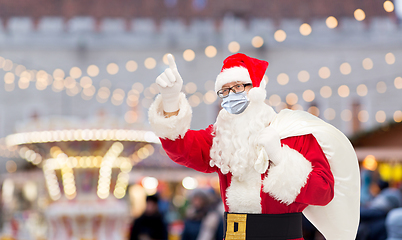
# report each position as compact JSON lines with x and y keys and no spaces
{"x":225,"y":90}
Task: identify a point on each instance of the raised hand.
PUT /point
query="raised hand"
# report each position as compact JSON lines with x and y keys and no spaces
{"x":170,"y":84}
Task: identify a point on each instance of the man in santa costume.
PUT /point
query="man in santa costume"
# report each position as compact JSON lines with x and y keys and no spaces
{"x":271,"y":167}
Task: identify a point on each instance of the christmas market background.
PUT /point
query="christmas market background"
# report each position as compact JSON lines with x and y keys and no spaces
{"x":77,"y":154}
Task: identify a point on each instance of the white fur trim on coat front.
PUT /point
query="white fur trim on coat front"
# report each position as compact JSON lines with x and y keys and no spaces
{"x":285,"y":180}
{"x":174,"y":126}
{"x":233,"y":74}
{"x":244,"y":196}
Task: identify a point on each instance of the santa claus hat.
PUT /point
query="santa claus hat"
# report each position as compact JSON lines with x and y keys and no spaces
{"x":240,"y":67}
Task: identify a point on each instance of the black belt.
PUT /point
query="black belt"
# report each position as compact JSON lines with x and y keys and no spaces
{"x":262,"y":226}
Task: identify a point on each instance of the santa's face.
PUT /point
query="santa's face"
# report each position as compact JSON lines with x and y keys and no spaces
{"x":234,"y":146}
{"x":234,"y":96}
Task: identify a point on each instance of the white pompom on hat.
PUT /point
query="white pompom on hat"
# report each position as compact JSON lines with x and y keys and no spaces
{"x":242,"y":68}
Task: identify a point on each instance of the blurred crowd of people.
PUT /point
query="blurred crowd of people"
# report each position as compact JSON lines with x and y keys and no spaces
{"x":203,"y":218}
{"x":381,"y":209}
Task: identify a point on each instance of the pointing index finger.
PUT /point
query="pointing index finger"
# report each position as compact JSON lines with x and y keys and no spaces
{"x":172,"y":63}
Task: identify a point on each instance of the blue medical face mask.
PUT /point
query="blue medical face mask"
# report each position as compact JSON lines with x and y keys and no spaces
{"x":235,"y":103}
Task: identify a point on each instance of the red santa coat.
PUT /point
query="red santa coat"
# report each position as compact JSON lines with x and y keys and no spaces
{"x":289,"y":187}
{"x":193,"y":151}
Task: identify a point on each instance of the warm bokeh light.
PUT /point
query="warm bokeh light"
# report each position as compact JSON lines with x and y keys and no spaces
{"x":305,"y":29}
{"x":58,"y":74}
{"x":370,"y":163}
{"x":390,"y":58}
{"x":112,"y":68}
{"x":19,"y":69}
{"x":210,"y":97}
{"x":346,"y":115}
{"x":9,"y":77}
{"x":380,"y":116}
{"x":331,"y":22}
{"x":297,"y":107}
{"x":291,"y":99}
{"x":69,"y":82}
{"x":150,"y":63}
{"x":367,"y":63}
{"x":86,"y":82}
{"x":326,"y":92}
{"x":194,"y":100}
{"x":308,"y":95}
{"x":190,"y":183}
{"x":282,"y":79}
{"x":303,"y":76}
{"x":381,"y":87}
{"x":363,"y":116}
{"x":150,"y":183}
{"x":92,"y":70}
{"x":398,"y":116}
{"x":388,"y":6}
{"x":274,"y":100}
{"x":75,"y":72}
{"x":8,"y":65}
{"x":359,"y":15}
{"x":210,"y":51}
{"x":190,"y":88}
{"x":343,"y":91}
{"x":314,"y":110}
{"x":131,"y":116}
{"x":324,"y":73}
{"x":398,"y":82}
{"x":23,"y":83}
{"x":280,"y":35}
{"x":131,"y":66}
{"x":257,"y":41}
{"x":89,"y":92}
{"x":362,"y":90}
{"x":345,"y":68}
{"x":329,"y":114}
{"x":189,"y":55}
{"x":104,"y":93}
{"x":132,"y":99}
{"x":234,"y":47}
{"x":11,"y":166}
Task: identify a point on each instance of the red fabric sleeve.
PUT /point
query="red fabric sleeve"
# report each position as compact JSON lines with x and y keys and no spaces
{"x":192,"y":150}
{"x":319,"y":189}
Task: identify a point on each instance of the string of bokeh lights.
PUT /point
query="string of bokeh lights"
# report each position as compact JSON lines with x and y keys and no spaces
{"x":72,"y":86}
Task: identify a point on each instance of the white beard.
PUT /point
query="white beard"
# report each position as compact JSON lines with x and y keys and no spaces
{"x":234,"y":147}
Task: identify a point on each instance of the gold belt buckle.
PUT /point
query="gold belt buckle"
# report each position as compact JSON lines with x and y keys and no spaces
{"x":241,"y":220}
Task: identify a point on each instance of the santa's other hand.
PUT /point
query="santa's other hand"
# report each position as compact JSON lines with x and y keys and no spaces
{"x":270,"y":140}
{"x":170,"y":84}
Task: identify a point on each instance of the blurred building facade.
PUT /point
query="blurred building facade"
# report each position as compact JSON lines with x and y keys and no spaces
{"x":87,"y":59}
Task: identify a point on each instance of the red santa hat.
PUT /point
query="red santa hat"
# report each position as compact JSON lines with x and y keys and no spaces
{"x":242,"y":68}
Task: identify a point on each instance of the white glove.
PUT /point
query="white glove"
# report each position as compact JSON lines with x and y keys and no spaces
{"x":170,"y":84}
{"x":270,"y":140}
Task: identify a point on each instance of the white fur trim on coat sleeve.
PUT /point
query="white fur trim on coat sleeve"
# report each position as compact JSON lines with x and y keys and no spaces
{"x":174,"y":126}
{"x":285,"y":180}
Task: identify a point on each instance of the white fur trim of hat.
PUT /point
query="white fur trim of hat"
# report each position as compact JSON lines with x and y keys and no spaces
{"x":234,"y":74}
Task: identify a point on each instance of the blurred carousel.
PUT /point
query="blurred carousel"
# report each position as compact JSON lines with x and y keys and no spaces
{"x":86,"y":170}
